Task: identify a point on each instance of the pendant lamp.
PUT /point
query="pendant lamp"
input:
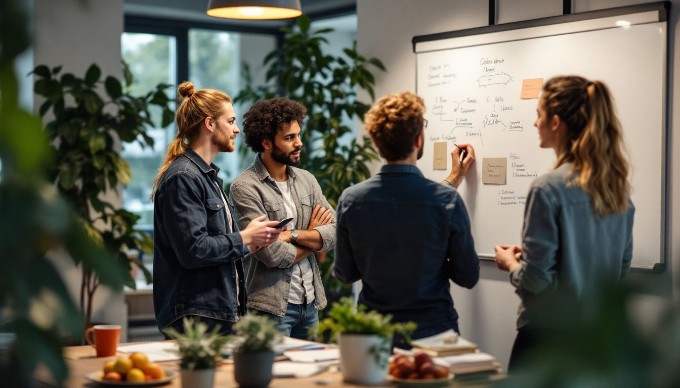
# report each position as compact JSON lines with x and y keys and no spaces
{"x":254,"y":9}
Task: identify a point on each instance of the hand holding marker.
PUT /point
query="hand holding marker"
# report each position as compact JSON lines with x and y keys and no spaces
{"x":463,"y":152}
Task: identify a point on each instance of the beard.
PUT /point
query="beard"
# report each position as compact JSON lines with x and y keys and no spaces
{"x":281,"y":157}
{"x":223,"y":142}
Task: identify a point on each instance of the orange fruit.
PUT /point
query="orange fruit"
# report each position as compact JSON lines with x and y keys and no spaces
{"x":139,"y":360}
{"x":122,"y":365}
{"x":135,"y":375}
{"x":113,"y":376}
{"x":154,"y":371}
{"x":108,"y":367}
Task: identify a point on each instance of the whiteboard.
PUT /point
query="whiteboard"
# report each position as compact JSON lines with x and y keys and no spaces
{"x":471,"y":84}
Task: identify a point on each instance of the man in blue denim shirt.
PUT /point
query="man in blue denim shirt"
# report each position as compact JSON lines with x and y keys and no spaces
{"x":283,"y":280}
{"x":197,"y":244}
{"x":403,"y":235}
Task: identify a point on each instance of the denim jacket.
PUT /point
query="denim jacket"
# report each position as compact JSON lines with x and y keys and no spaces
{"x":196,"y":254}
{"x":268,"y":271}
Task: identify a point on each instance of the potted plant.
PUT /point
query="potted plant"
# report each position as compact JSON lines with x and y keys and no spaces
{"x":199,"y":351}
{"x":89,"y":118}
{"x":364,"y":338}
{"x":253,"y":352}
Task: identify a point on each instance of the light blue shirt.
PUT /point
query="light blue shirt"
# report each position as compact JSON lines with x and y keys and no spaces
{"x":568,"y":251}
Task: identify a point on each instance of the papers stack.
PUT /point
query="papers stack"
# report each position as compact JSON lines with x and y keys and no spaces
{"x":463,"y":364}
{"x":444,"y":344}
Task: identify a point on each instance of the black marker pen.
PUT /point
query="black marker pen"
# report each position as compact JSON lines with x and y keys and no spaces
{"x":463,"y":152}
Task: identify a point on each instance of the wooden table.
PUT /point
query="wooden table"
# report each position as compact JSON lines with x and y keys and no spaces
{"x":82,"y":361}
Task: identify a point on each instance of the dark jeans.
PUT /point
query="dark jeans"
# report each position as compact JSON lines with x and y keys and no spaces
{"x":226,"y":328}
{"x":298,"y":320}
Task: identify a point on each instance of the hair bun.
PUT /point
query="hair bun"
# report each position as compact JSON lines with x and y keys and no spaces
{"x":186,"y":89}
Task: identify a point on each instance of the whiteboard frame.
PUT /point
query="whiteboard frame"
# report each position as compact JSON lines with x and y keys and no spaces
{"x":569,"y":24}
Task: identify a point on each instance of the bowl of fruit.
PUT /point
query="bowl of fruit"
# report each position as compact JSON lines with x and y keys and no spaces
{"x":132,"y":370}
{"x":417,"y":370}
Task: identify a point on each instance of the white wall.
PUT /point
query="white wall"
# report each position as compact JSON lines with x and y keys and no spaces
{"x":74,"y":34}
{"x":385,"y":29}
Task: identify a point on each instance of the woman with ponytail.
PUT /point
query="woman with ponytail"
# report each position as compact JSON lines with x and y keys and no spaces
{"x":197,"y":244}
{"x":578,"y":220}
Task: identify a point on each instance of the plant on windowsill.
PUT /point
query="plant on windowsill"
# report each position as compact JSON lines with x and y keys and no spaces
{"x":199,"y":351}
{"x":364,"y":338}
{"x":253,"y":352}
{"x":89,"y":119}
{"x":305,"y":69}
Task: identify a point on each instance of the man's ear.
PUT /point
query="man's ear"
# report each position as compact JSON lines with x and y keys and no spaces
{"x":209,"y":123}
{"x":266,"y":144}
{"x":420,"y":139}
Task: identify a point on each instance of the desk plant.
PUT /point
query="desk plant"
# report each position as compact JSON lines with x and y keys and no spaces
{"x":88,"y":119}
{"x":253,"y":353}
{"x":365,"y":339}
{"x":199,"y":351}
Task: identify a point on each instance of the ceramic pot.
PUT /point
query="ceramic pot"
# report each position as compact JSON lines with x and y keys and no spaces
{"x":253,"y":369}
{"x":358,"y":363}
{"x":198,"y":378}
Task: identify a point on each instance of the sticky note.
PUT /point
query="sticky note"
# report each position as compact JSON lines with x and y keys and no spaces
{"x":440,"y":156}
{"x":494,"y":171}
{"x":531,"y":88}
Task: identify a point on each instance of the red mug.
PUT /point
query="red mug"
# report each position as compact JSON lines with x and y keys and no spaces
{"x":106,"y":339}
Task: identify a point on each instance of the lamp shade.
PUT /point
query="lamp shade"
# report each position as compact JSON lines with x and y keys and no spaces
{"x":254,"y":9}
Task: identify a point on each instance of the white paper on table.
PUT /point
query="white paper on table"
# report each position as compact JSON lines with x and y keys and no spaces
{"x":294,"y":343}
{"x":298,"y":369}
{"x":313,"y":355}
{"x":155,"y":351}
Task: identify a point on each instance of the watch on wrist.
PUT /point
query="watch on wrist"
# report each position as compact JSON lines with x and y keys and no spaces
{"x":294,"y":235}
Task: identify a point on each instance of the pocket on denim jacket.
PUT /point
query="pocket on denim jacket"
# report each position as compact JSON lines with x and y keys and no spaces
{"x":216,"y":216}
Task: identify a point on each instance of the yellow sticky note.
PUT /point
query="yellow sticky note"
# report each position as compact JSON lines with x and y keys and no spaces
{"x":531,"y":88}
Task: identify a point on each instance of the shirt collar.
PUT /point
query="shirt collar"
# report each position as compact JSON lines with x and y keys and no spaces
{"x":209,"y":169}
{"x":263,"y":174}
{"x":400,"y":168}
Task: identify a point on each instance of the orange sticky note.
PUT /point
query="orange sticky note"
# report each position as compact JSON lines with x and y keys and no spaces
{"x":531,"y":88}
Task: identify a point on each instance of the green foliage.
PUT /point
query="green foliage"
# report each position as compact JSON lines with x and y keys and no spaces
{"x":198,"y":348}
{"x":89,"y":117}
{"x":327,"y":85}
{"x":346,"y":318}
{"x":36,"y":309}
{"x":256,"y":333}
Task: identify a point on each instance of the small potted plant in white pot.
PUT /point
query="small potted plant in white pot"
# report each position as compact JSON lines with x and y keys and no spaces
{"x":253,"y":351}
{"x":364,"y":338}
{"x":199,"y":351}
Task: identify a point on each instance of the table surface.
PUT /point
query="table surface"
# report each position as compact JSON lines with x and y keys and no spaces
{"x":82,"y":361}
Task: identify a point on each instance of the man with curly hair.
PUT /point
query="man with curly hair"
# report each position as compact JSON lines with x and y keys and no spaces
{"x":283,"y":280}
{"x":403,"y":235}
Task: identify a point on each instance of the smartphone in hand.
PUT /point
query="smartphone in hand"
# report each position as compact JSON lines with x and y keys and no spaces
{"x":283,"y":223}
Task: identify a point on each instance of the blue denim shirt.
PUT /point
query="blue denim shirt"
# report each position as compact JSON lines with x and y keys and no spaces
{"x":569,"y":253}
{"x":405,"y":236}
{"x":196,"y":255}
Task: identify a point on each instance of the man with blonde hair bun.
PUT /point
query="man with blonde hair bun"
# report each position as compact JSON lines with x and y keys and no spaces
{"x":197,"y":244}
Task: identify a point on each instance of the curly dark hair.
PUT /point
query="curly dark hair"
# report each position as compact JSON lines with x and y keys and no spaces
{"x":267,"y":117}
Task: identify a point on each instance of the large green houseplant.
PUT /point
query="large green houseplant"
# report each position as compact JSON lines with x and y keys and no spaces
{"x":327,"y":85}
{"x":87,"y":120}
